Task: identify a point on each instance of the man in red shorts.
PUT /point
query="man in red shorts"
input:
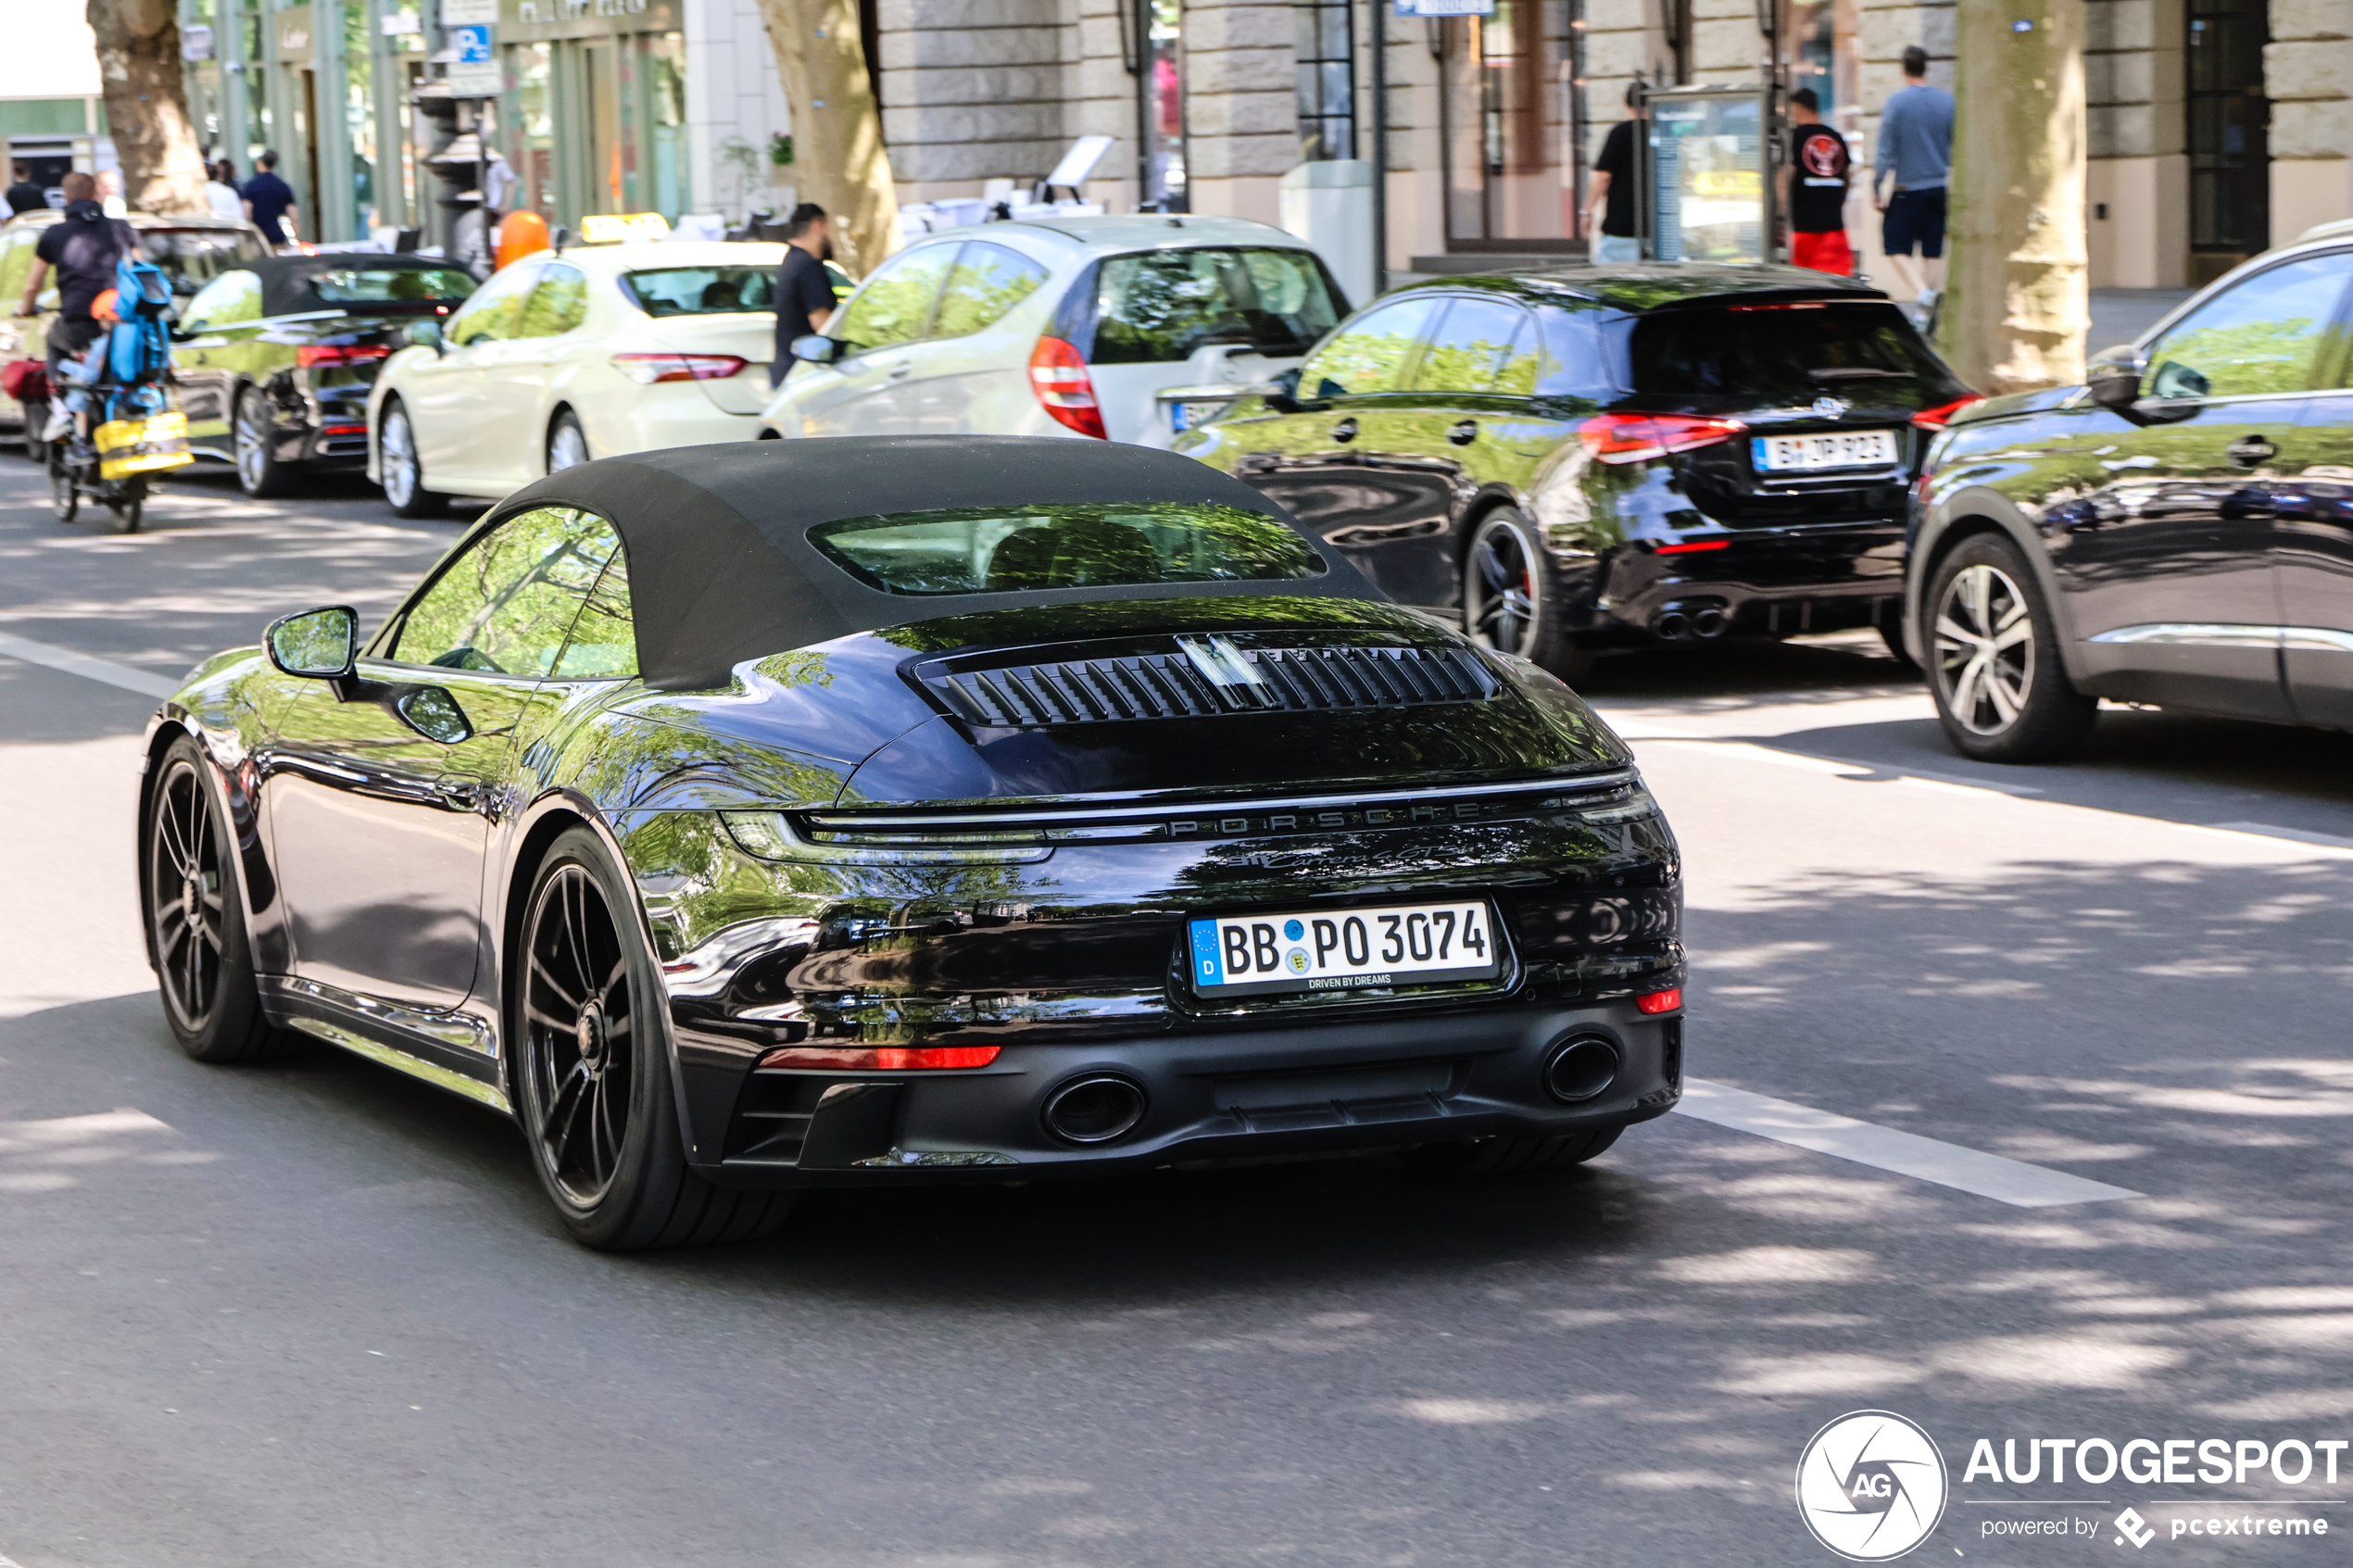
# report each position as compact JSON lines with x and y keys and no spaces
{"x":1814,"y":188}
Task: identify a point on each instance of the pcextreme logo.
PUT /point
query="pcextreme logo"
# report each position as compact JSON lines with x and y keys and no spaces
{"x":1871,"y":1486}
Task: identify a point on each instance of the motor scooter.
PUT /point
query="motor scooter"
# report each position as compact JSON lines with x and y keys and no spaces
{"x":124,"y":386}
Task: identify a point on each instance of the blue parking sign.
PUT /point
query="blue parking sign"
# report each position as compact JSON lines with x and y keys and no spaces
{"x":472,"y":43}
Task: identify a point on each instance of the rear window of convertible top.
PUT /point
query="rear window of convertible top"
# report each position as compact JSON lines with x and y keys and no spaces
{"x":993,"y":550}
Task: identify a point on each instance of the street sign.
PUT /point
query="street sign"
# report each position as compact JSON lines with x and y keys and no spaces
{"x":474,"y":73}
{"x":1444,"y":7}
{"x":469,"y":13}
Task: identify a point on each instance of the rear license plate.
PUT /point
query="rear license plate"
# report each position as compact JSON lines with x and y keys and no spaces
{"x":1344,"y":950}
{"x":1840,"y":449}
{"x":1184,"y":416}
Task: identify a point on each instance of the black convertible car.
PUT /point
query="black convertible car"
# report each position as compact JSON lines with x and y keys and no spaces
{"x":883,"y":810}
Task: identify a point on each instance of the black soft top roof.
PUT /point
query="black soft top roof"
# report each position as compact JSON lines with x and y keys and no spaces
{"x":289,"y":282}
{"x":720,"y":570}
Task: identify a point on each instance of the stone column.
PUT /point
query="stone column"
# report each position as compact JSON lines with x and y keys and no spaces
{"x":2305,"y":72}
{"x":2138,"y":181}
{"x":1241,"y":115}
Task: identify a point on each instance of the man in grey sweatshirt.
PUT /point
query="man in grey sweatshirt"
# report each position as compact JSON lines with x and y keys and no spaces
{"x":1916,"y":153}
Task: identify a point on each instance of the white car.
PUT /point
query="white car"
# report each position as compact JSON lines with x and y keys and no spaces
{"x":566,"y":355}
{"x":1123,"y":328}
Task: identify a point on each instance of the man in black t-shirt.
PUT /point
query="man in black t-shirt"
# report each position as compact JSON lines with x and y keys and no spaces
{"x":83,"y":246}
{"x":1610,"y":207}
{"x":804,"y":293}
{"x":1814,"y":188}
{"x":24,"y":195}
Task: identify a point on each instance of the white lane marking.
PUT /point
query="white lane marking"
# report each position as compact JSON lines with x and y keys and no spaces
{"x":141,"y":681}
{"x":1907,"y":1154}
{"x":2296,"y":835}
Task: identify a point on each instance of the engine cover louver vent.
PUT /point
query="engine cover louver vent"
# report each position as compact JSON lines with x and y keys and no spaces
{"x":1205,"y":677}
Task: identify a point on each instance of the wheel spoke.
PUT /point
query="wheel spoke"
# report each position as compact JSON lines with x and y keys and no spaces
{"x":565,"y":1096}
{"x":540,"y":972}
{"x":608,"y":1144}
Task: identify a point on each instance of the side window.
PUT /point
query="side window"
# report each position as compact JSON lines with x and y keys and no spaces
{"x":895,"y":306}
{"x":1371,"y":353}
{"x":228,"y":299}
{"x":508,"y":603}
{"x":1476,"y":344}
{"x":604,"y":639}
{"x":559,"y":305}
{"x":988,"y":281}
{"x":1585,"y":354}
{"x":496,"y":309}
{"x":2261,"y":335}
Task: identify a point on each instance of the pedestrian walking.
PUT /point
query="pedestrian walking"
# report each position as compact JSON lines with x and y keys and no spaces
{"x":1814,"y":188}
{"x":83,"y":248}
{"x":269,"y":202}
{"x":804,"y":293}
{"x":1610,"y":208}
{"x":220,"y":191}
{"x":23,"y":195}
{"x":1915,"y":154}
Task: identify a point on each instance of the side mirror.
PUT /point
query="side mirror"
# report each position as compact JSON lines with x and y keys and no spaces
{"x":818,"y":349}
{"x":317,"y":644}
{"x":434,"y":714}
{"x":424,"y":334}
{"x":1282,"y":393}
{"x":2114,"y":378}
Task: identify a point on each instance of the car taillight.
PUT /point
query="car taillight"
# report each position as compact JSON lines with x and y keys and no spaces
{"x":1943,"y":414}
{"x":1660,"y":1002}
{"x":1630,"y":438}
{"x":880,"y":1059}
{"x":310,"y":356}
{"x":647,"y":369}
{"x":1057,"y":374}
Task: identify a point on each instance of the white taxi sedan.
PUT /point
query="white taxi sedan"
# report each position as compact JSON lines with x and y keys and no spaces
{"x":577,"y":354}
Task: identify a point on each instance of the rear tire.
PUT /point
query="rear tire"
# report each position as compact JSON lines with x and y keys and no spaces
{"x":131,"y":508}
{"x":65,"y":499}
{"x":252,"y":440}
{"x":399,"y":468}
{"x":195,"y":920}
{"x":1994,"y":664}
{"x":1505,"y":1156}
{"x":1512,"y":595}
{"x":594,"y":1093}
{"x":567,"y":442}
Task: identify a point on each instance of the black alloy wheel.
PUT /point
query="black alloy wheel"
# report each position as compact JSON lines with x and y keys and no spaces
{"x":398,"y":467}
{"x":195,"y":919}
{"x":253,"y":438}
{"x":597,"y":1101}
{"x":1509,"y":603}
{"x":1993,"y":668}
{"x":65,"y":496}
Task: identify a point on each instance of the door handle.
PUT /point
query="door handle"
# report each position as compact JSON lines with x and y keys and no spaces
{"x":2249,"y":450}
{"x":901,"y":371}
{"x":1344,"y":431}
{"x":459,"y":794}
{"x":1464,"y":433}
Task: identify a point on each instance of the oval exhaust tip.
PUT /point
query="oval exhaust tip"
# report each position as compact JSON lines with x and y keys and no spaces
{"x":1581,"y":1068}
{"x":1098,"y":1108}
{"x":1710,"y":622}
{"x":1671,"y":627}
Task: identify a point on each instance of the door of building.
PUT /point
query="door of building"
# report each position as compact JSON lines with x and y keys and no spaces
{"x":1511,"y":168}
{"x":2229,"y":135}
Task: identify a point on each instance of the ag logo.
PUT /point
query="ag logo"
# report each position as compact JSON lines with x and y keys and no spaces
{"x":1870,"y":1485}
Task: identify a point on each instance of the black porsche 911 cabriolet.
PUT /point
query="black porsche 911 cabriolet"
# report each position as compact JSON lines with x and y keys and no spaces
{"x":882,"y":810}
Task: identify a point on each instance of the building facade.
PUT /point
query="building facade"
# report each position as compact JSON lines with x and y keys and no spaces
{"x":2218,"y":127}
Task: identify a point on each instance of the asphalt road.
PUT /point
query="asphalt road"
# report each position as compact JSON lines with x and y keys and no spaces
{"x":316,"y":1313}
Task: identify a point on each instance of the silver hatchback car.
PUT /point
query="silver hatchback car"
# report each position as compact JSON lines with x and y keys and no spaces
{"x":1122,"y":329}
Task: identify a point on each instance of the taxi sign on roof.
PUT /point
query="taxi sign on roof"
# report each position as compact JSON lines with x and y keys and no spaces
{"x":618,"y":228}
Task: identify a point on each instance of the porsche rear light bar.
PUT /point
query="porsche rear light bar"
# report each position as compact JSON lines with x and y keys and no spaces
{"x":311,"y":356}
{"x":647,"y":369}
{"x":1633,"y":438}
{"x":880,"y":1059}
{"x":1058,"y":375}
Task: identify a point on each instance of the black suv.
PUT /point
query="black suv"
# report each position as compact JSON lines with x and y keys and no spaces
{"x":1588,"y":456}
{"x":2177,"y":532}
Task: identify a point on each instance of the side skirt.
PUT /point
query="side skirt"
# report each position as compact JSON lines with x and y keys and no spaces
{"x":451,"y":1050}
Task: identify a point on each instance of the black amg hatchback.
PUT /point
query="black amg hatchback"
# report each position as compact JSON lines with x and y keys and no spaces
{"x":1595,"y":457}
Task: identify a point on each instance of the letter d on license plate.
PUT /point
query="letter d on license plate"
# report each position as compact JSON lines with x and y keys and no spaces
{"x":1342,"y":951}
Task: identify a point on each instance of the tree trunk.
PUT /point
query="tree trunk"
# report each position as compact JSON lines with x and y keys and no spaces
{"x":838,"y":161}
{"x":139,"y":71}
{"x":2015,"y":309}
